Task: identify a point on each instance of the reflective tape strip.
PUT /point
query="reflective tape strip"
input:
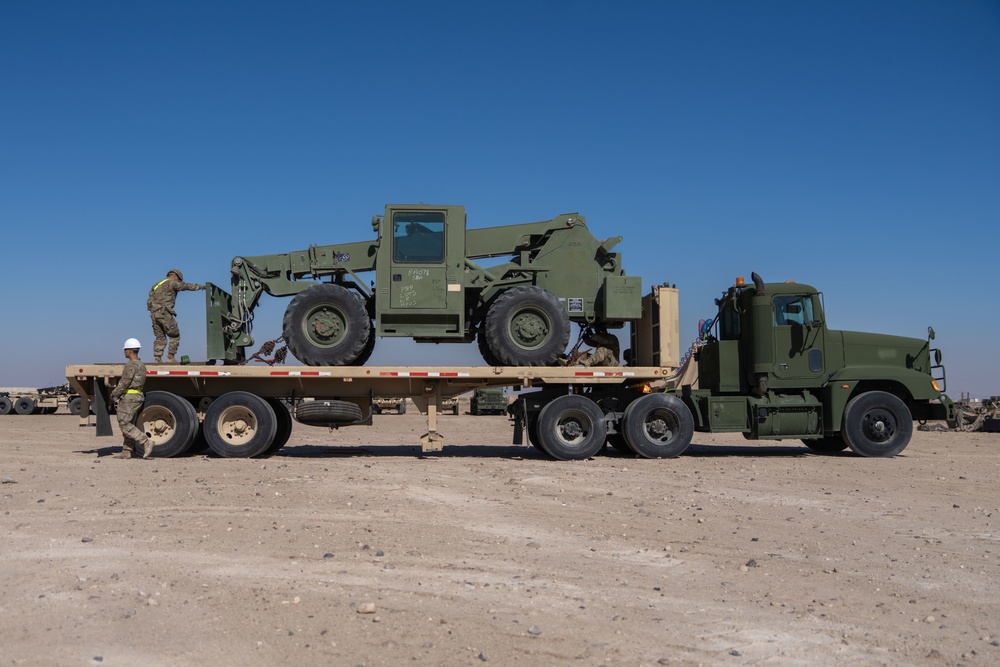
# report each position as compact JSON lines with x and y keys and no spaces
{"x":133,"y":391}
{"x":422,"y":374}
{"x":298,"y":373}
{"x":603,"y":374}
{"x":190,"y":373}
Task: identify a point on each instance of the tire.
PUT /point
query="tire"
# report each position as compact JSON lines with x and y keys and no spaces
{"x":240,"y":425}
{"x":24,"y":405}
{"x":6,"y":405}
{"x":658,"y":426}
{"x":169,"y":421}
{"x":49,"y":410}
{"x":369,"y":347}
{"x":327,"y":325}
{"x":74,"y":406}
{"x":877,"y":424}
{"x":284,"y":422}
{"x":827,"y":445}
{"x":401,"y":410}
{"x":527,"y":326}
{"x":572,"y":427}
{"x":328,"y":412}
{"x":618,"y":442}
{"x":454,"y":409}
{"x":485,"y":351}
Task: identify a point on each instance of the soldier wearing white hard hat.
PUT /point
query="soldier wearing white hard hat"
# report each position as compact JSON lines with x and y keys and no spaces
{"x":129,"y":397}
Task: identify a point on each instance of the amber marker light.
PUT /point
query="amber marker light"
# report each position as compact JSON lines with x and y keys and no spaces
{"x":739,"y":281}
{"x":935,"y":385}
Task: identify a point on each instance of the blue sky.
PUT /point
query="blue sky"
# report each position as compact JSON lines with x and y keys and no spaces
{"x":854,"y":146}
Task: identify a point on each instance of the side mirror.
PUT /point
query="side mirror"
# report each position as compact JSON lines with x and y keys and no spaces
{"x":930,"y":333}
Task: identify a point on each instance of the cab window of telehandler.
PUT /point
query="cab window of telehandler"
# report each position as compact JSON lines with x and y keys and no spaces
{"x":791,"y":309}
{"x":418,"y":237}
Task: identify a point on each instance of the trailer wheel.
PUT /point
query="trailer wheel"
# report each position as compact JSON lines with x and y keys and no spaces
{"x":401,"y":410}
{"x":828,"y":445}
{"x":5,"y":405}
{"x":328,"y":413}
{"x":527,"y":326}
{"x":572,"y":427}
{"x":169,"y":421}
{"x":877,"y":424}
{"x":74,"y":406}
{"x":24,"y":405}
{"x":240,"y":425}
{"x":658,"y":426}
{"x":283,"y":419}
{"x":327,"y":325}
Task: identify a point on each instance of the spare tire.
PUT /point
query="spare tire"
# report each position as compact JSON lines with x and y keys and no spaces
{"x":327,"y":412}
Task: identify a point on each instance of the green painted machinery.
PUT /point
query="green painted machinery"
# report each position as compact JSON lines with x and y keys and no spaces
{"x":429,"y":287}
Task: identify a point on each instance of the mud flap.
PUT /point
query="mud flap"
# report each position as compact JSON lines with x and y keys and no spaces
{"x":101,"y":409}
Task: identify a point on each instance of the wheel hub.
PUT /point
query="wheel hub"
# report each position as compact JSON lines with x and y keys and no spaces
{"x":529,"y":329}
{"x":880,"y":427}
{"x":326,"y":326}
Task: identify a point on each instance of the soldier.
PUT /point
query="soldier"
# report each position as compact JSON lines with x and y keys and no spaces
{"x":161,"y":311}
{"x":128,"y":395}
{"x":606,"y":349}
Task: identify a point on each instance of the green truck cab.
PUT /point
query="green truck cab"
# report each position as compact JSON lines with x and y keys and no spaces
{"x":774,"y":370}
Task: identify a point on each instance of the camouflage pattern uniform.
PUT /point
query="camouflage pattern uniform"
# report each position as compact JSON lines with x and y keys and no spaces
{"x":160,"y":303}
{"x":606,"y":352}
{"x":130,"y":398}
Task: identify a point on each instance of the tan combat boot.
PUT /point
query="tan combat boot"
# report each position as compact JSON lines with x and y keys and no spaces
{"x":124,"y":454}
{"x":157,"y":360}
{"x":147,"y":449}
{"x":171,"y":360}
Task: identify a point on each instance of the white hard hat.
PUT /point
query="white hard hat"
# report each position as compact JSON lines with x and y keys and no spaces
{"x":132,"y":344}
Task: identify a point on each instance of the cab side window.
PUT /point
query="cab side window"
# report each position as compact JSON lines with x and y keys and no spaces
{"x":789,"y":310}
{"x":418,"y":237}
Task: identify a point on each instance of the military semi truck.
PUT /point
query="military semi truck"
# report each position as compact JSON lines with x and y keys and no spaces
{"x":429,"y":287}
{"x":771,"y":370}
{"x":488,"y":401}
{"x":32,"y":401}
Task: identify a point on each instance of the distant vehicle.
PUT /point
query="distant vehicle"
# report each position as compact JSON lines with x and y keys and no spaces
{"x":488,"y":401}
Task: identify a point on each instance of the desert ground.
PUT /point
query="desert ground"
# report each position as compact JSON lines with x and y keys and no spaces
{"x":350,"y":548}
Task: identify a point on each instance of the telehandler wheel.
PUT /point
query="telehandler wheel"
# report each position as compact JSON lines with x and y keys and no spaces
{"x":658,"y":426}
{"x":284,"y":420}
{"x":24,"y":405}
{"x":829,"y":445}
{"x":169,"y":421}
{"x":326,"y":325}
{"x":5,"y":405}
{"x":878,"y":424}
{"x":484,"y":349}
{"x":527,"y":326}
{"x":240,"y":425}
{"x":326,"y":412}
{"x":369,"y":347}
{"x":572,"y":427}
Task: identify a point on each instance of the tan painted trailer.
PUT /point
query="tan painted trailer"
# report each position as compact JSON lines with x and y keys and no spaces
{"x":243,"y":411}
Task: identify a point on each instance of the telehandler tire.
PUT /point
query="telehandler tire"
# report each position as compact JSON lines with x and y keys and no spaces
{"x":572,"y":427}
{"x":327,"y":325}
{"x":877,"y":424}
{"x":527,"y":326}
{"x":658,"y":426}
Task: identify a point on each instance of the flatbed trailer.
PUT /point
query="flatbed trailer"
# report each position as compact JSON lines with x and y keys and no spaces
{"x":238,"y":409}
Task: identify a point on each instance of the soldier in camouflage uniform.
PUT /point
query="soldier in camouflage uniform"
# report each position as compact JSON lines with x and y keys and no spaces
{"x":129,"y":397}
{"x":606,"y":349}
{"x":160,"y":303}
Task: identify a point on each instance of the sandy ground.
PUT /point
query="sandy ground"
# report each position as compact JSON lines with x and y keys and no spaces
{"x":349,"y":548}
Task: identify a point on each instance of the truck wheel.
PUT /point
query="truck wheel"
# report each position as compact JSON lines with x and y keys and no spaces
{"x":284,"y":420}
{"x":328,"y":413}
{"x":74,"y":406}
{"x":169,"y":421}
{"x":240,"y":425}
{"x":658,"y":426}
{"x":5,"y":405}
{"x":877,"y":423}
{"x":618,"y":442}
{"x":326,"y":325}
{"x":828,"y":445}
{"x":571,"y":427}
{"x":24,"y":405}
{"x":527,"y":326}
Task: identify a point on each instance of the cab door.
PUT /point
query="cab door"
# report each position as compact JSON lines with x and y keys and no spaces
{"x":798,"y":338}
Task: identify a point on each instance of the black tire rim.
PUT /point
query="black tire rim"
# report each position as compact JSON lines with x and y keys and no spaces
{"x":879,"y":425}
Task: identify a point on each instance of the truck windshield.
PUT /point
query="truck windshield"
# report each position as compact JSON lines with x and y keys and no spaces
{"x":418,"y":237}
